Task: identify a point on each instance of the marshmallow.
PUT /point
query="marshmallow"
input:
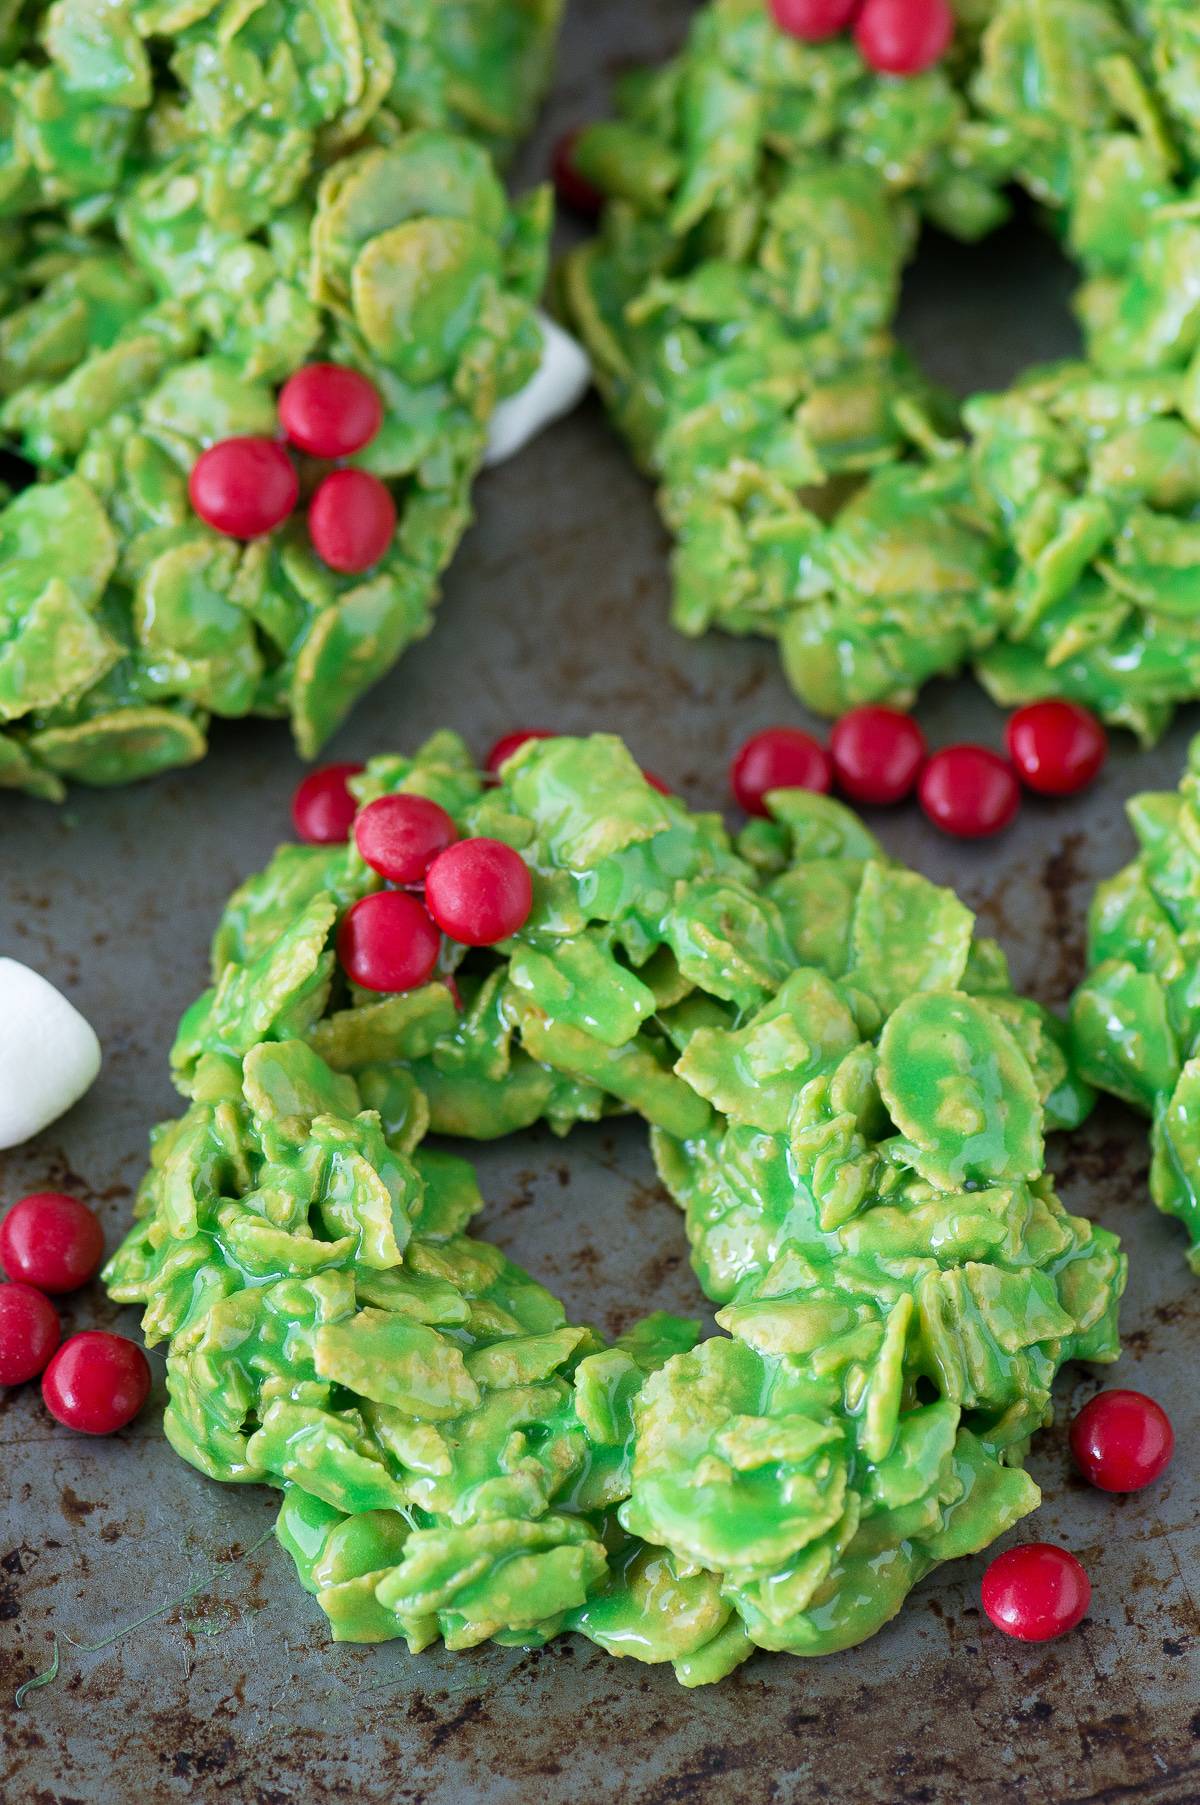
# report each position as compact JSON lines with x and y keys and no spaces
{"x":49,"y":1056}
{"x":560,"y":382}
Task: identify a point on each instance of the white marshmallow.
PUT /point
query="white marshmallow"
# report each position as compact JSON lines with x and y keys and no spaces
{"x":559,"y":384}
{"x":49,"y":1056}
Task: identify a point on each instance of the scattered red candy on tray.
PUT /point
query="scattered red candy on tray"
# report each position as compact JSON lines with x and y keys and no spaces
{"x":330,"y":410}
{"x":29,"y":1333}
{"x":813,"y":21}
{"x":1122,"y":1441}
{"x":877,"y":754}
{"x":1058,"y":747}
{"x":387,"y":942}
{"x":351,"y":520}
{"x":323,"y":809}
{"x":778,"y":758}
{"x":969,"y":792}
{"x":400,"y":835}
{"x":479,"y":891}
{"x":573,"y":190}
{"x":508,"y":743}
{"x":96,"y":1382}
{"x":1036,"y":1592}
{"x":904,"y":37}
{"x":244,"y":487}
{"x":51,"y":1241}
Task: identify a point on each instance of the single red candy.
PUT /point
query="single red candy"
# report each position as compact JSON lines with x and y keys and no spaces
{"x":479,"y":891}
{"x":330,"y":410}
{"x":323,"y":809}
{"x":1058,"y":747}
{"x":778,"y":758}
{"x":244,"y":487}
{"x":96,"y":1382}
{"x":399,"y":835}
{"x":508,"y":743}
{"x":904,"y":37}
{"x":387,"y":942}
{"x":29,"y":1333}
{"x":1122,"y":1440}
{"x":51,"y":1241}
{"x":351,"y":520}
{"x":877,"y":754}
{"x":573,"y":190}
{"x":969,"y":791}
{"x":1036,"y":1592}
{"x":814,"y":20}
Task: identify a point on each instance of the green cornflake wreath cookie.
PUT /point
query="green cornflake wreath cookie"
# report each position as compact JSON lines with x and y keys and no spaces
{"x":1136,"y":1017}
{"x":847,"y":1101}
{"x":765,"y":195}
{"x":196,"y":200}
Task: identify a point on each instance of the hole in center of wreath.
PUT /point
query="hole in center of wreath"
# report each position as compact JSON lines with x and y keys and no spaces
{"x":976,"y":316}
{"x":588,"y":1218}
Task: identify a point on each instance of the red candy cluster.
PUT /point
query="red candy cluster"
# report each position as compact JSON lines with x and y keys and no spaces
{"x":476,"y":891}
{"x":878,"y":756}
{"x":894,"y":37}
{"x":95,"y":1382}
{"x":246,"y":487}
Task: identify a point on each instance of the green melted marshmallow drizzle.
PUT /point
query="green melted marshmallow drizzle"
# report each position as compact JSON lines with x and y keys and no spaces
{"x":1136,"y":1017}
{"x":845,"y":1098}
{"x":765,"y":196}
{"x":195,"y":201}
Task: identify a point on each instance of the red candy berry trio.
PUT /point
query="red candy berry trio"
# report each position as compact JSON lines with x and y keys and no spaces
{"x":95,"y":1382}
{"x":246,"y":487}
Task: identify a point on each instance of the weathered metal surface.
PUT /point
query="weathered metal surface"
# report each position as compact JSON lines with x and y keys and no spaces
{"x":555,"y":615}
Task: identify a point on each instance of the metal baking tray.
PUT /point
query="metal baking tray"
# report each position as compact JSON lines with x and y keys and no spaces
{"x":555,"y":615}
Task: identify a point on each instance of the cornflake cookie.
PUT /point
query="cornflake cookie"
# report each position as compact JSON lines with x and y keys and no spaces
{"x":1135,"y":1018}
{"x":846,"y":1099}
{"x":764,"y":197}
{"x":194,"y":206}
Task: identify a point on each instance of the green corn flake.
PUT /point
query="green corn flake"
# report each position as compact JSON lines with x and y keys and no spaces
{"x":845,"y":1098}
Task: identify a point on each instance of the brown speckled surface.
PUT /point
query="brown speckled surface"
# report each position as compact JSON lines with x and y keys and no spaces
{"x":555,"y":615}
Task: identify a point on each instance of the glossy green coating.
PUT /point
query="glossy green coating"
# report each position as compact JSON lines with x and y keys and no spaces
{"x":195,"y":201}
{"x":1135,"y":1018}
{"x":845,"y":1098}
{"x":764,"y":196}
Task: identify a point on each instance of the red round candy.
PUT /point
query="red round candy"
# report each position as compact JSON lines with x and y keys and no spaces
{"x":877,"y":754}
{"x":1122,"y":1440}
{"x":244,"y":487}
{"x":509,"y":743}
{"x":573,"y":190}
{"x":969,"y":791}
{"x":387,"y":942}
{"x":479,"y":892}
{"x":29,"y":1333}
{"x":814,"y":20}
{"x":1036,"y":1592}
{"x":330,"y":410}
{"x":351,"y":520}
{"x":323,"y":809}
{"x":778,"y":758}
{"x":1057,"y":747}
{"x":398,"y":836}
{"x":903,"y":37}
{"x":51,"y":1241}
{"x":96,"y":1382}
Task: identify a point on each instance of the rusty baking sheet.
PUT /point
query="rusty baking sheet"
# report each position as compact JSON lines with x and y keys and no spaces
{"x":555,"y":615}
